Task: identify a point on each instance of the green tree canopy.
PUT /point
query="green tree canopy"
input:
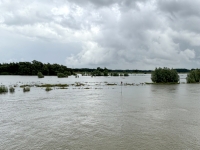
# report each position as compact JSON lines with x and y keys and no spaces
{"x":164,"y":75}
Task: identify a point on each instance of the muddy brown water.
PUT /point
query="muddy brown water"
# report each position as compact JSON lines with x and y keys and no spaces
{"x":152,"y":117}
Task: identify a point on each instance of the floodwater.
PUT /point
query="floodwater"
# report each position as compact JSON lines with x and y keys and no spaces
{"x":150,"y":117}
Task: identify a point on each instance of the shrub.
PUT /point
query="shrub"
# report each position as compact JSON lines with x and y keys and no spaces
{"x":115,"y":74}
{"x":61,"y":75}
{"x":67,"y":73}
{"x":193,"y":76}
{"x":26,"y":89}
{"x":164,"y":75}
{"x":12,"y":89}
{"x":126,"y":74}
{"x":40,"y":75}
{"x":3,"y":89}
{"x":48,"y":89}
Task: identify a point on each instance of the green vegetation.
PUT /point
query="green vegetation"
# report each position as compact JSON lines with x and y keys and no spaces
{"x":52,"y":85}
{"x":26,"y":89}
{"x":111,"y":84}
{"x":61,"y":75}
{"x":3,"y":89}
{"x":126,"y":74}
{"x":164,"y":75}
{"x":48,"y":89}
{"x":40,"y":75}
{"x":193,"y":76}
{"x":32,"y":68}
{"x":12,"y":89}
{"x":100,"y":72}
{"x":115,"y":74}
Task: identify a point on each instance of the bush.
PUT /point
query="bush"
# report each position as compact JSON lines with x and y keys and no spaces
{"x":126,"y":74}
{"x":164,"y":75}
{"x":40,"y":75}
{"x":48,"y":89}
{"x":26,"y":89}
{"x":61,"y":75}
{"x":115,"y":74}
{"x":67,"y":73}
{"x":3,"y":89}
{"x":12,"y":89}
{"x":193,"y":76}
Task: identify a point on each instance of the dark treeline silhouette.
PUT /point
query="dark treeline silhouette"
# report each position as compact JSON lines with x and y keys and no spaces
{"x":110,"y":70}
{"x":80,"y":70}
{"x":32,"y":68}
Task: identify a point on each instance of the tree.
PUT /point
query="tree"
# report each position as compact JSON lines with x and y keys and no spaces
{"x":193,"y":76}
{"x":164,"y":75}
{"x":40,"y":75}
{"x":61,"y":75}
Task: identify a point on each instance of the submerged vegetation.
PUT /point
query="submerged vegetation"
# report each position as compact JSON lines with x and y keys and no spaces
{"x":3,"y":89}
{"x":193,"y":76}
{"x":12,"y":89}
{"x":26,"y":89}
{"x":164,"y":75}
{"x":48,"y":89}
{"x":61,"y":75}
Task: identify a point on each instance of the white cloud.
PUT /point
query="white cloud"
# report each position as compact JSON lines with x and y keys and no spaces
{"x":117,"y":33}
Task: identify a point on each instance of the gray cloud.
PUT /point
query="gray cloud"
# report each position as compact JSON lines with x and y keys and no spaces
{"x":116,"y":33}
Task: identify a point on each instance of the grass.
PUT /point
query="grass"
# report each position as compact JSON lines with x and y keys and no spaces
{"x":111,"y":84}
{"x":52,"y":85}
{"x":25,"y":85}
{"x":79,"y":84}
{"x":3,"y":89}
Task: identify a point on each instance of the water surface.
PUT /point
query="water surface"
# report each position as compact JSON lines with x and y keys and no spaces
{"x":102,"y":117}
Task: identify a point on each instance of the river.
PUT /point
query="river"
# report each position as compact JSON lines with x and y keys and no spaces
{"x":98,"y":116}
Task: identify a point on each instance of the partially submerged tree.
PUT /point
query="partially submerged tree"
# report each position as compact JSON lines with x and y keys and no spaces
{"x":61,"y":75}
{"x":193,"y":76}
{"x":40,"y":75}
{"x":164,"y":75}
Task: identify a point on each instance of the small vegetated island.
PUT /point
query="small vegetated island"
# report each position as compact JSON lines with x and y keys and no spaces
{"x":193,"y":76}
{"x":165,"y":75}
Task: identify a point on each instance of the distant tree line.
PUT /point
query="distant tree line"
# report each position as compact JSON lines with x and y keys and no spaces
{"x":102,"y":72}
{"x":89,"y":70}
{"x":32,"y":68}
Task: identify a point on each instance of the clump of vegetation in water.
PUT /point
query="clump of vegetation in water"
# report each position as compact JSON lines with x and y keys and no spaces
{"x":126,"y":74}
{"x":52,"y":85}
{"x":3,"y":89}
{"x":12,"y":89}
{"x":79,"y":84}
{"x":193,"y":76}
{"x":164,"y":75}
{"x":61,"y":75}
{"x":115,"y":74}
{"x":111,"y":84}
{"x":26,"y":89}
{"x":100,"y":72}
{"x":40,"y":75}
{"x":48,"y":89}
{"x":26,"y":85}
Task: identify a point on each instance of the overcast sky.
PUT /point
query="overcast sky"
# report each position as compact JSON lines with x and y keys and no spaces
{"x":117,"y":34}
